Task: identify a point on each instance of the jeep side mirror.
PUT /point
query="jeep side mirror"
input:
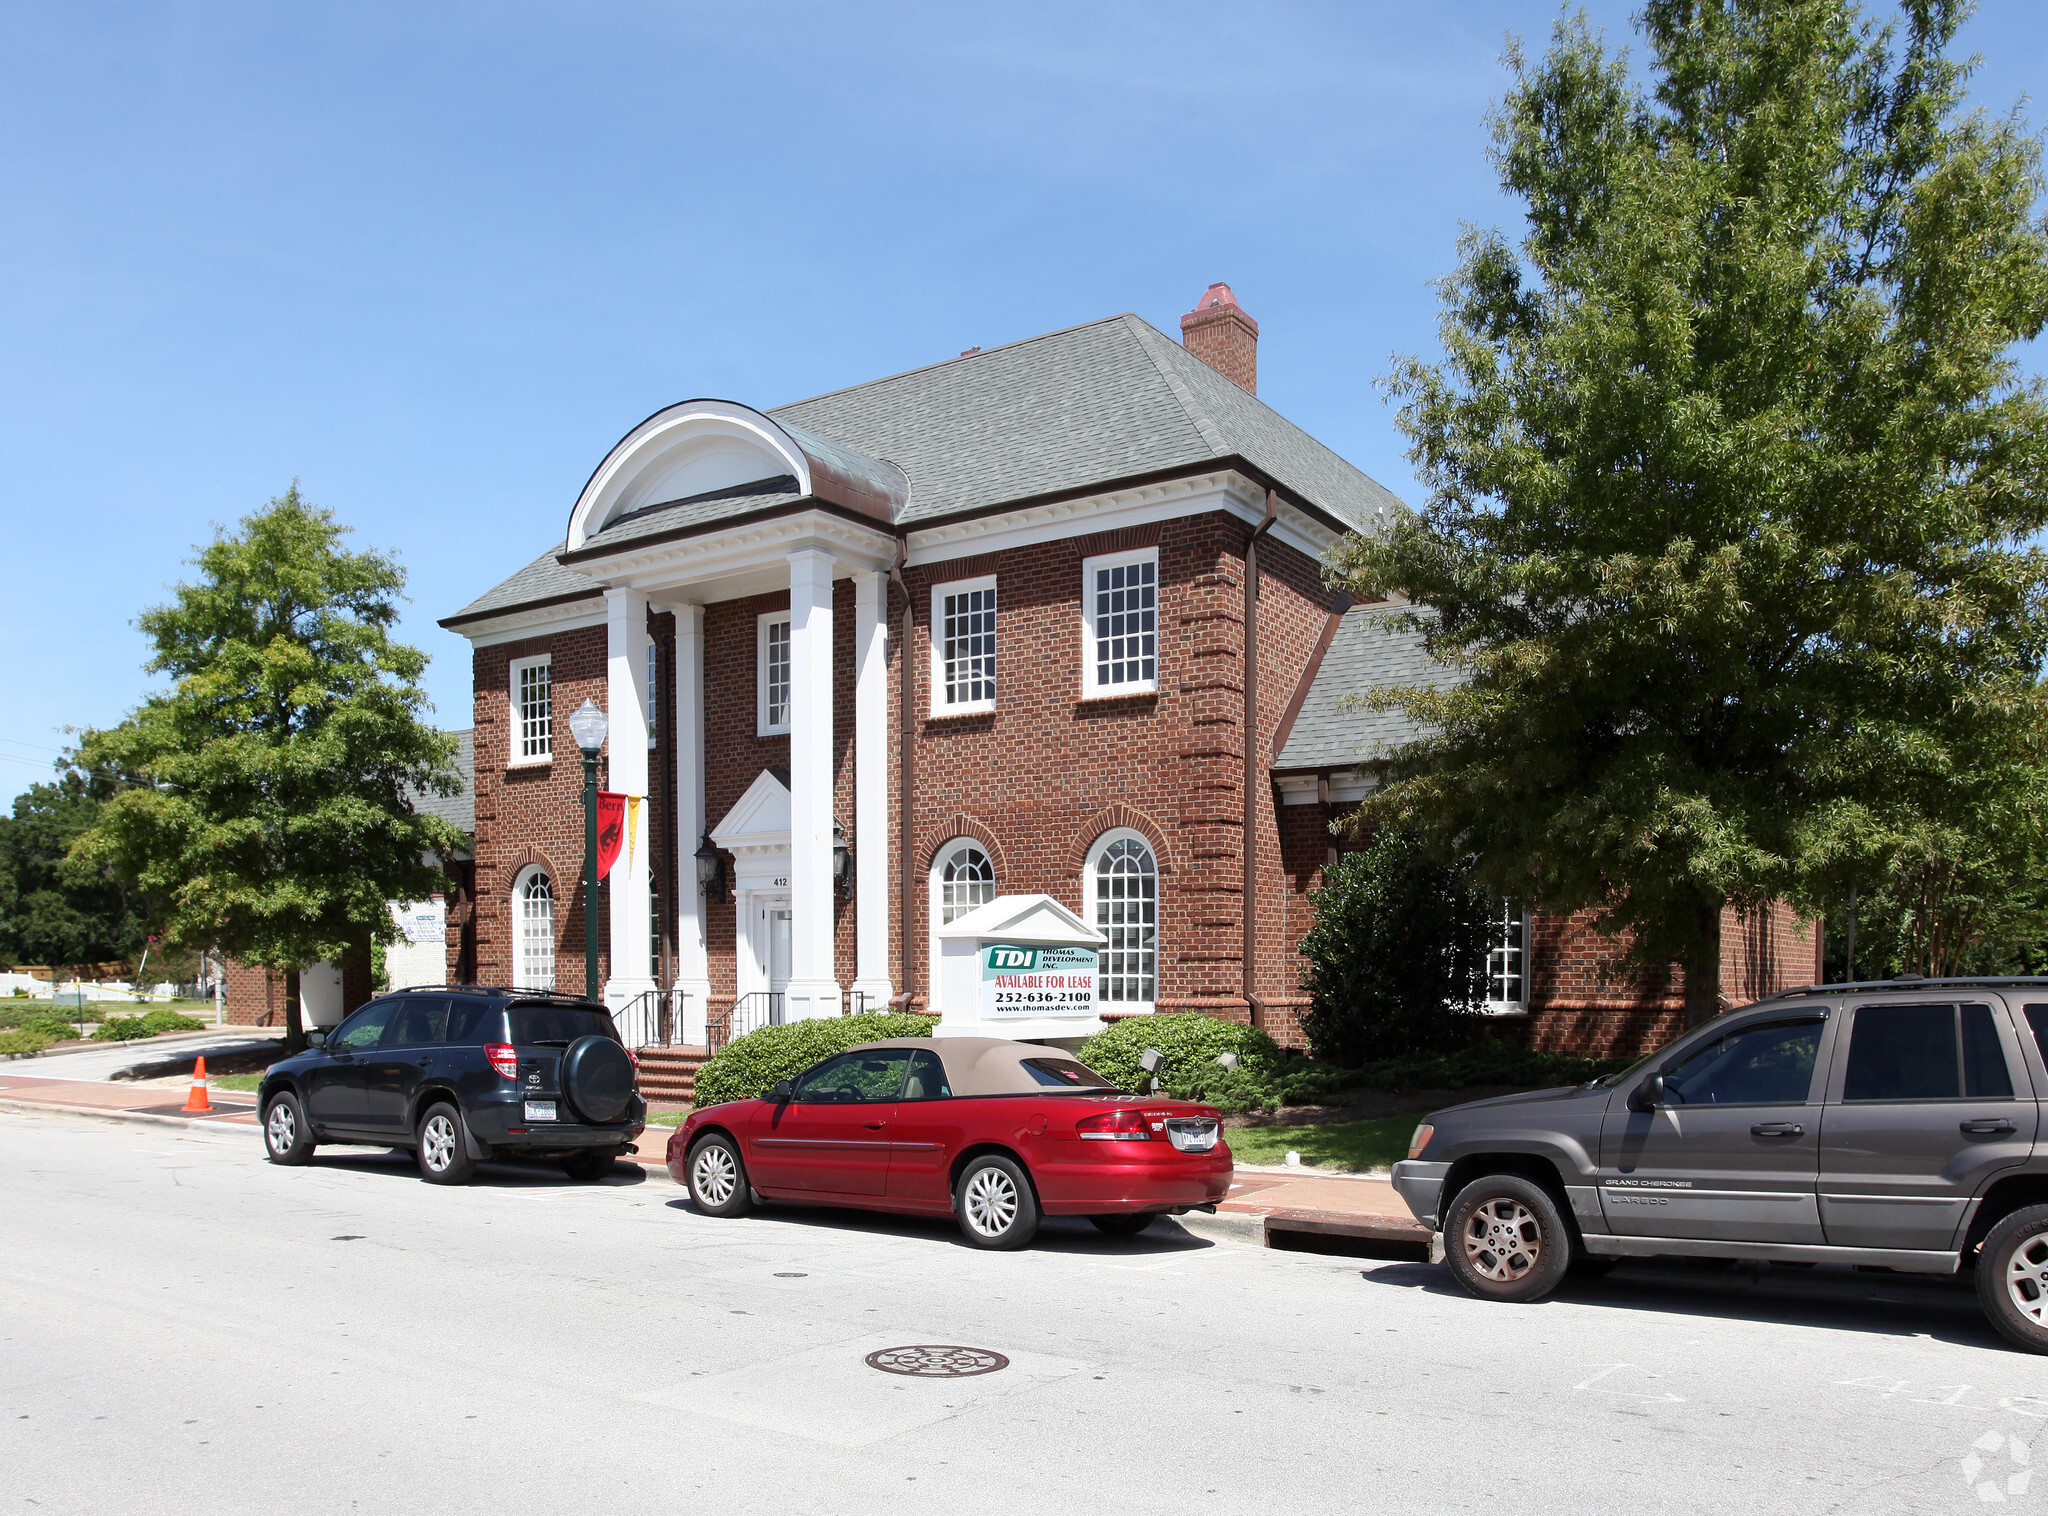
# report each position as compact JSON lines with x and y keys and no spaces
{"x":782,"y":1092}
{"x":1649,"y":1094}
{"x":316,"y":1036}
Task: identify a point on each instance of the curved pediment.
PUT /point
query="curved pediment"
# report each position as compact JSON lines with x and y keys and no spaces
{"x":704,"y":447}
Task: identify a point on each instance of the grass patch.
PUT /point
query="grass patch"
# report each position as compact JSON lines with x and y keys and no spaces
{"x":245,"y":1083}
{"x":1350,"y":1145}
{"x":668,"y":1118}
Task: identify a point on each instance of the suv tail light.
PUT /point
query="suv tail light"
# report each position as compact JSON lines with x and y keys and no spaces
{"x":1115,"y":1126}
{"x":504,"y":1058}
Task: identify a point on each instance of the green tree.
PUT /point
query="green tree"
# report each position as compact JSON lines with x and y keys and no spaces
{"x":55,"y":909}
{"x":1397,"y":955}
{"x":1731,"y":473}
{"x":266,"y":802}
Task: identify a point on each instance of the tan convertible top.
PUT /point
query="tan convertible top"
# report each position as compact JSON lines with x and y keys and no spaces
{"x":981,"y":1065}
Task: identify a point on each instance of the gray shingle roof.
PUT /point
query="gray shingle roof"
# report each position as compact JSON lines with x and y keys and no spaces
{"x":1069,"y":410}
{"x":1064,"y":412}
{"x":1368,"y":652}
{"x":543,"y":579}
{"x":679,"y":515}
{"x":457,"y":810}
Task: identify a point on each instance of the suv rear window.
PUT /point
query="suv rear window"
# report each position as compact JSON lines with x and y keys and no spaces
{"x":540,"y":1025}
{"x":1925,"y":1052}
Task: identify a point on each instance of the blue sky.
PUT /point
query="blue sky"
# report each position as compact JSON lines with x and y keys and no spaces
{"x":432,"y":260}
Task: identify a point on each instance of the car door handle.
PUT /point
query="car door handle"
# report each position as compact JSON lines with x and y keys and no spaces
{"x":1777,"y":1129}
{"x":1989,"y":1127}
{"x":874,"y":1126}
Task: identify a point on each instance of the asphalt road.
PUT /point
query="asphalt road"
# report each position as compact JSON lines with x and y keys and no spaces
{"x":184,"y":1328}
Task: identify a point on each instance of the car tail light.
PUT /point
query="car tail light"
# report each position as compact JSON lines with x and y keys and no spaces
{"x":504,"y":1058}
{"x":1116,"y":1126}
{"x":1420,"y":1140}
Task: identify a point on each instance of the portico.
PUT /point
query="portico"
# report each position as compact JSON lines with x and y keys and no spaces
{"x":627,"y":531}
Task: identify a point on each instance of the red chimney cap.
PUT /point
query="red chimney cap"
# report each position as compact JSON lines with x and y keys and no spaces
{"x":1218,"y":302}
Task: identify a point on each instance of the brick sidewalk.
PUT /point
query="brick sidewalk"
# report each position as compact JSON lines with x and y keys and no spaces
{"x":113,"y":1098}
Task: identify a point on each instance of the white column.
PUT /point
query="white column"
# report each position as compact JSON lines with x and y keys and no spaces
{"x":626,"y":702}
{"x":813,"y":990}
{"x":693,"y":961}
{"x":871,"y":786}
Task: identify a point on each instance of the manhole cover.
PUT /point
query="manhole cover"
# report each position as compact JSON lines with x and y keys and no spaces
{"x":929,"y":1361}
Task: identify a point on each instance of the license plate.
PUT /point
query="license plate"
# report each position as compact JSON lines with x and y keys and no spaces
{"x":1192,"y":1136}
{"x":540,"y":1110}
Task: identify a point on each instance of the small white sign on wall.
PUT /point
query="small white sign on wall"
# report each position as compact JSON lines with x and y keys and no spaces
{"x":1022,"y":979}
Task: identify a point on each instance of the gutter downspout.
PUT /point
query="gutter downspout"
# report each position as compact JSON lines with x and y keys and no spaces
{"x":906,"y":771}
{"x":1251,"y":755}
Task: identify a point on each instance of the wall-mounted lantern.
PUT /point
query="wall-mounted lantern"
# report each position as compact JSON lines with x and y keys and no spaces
{"x":711,"y":871}
{"x":842,"y":863}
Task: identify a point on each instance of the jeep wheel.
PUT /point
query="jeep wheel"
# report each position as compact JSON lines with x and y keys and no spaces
{"x":285,"y":1137}
{"x":2012,"y":1278}
{"x":718,"y":1177}
{"x":1505,"y":1239}
{"x":443,"y":1147}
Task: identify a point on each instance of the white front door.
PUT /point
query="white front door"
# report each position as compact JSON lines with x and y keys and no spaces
{"x":779,"y":918}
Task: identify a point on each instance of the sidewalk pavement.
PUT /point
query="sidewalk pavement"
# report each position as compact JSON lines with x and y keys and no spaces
{"x":1263,"y":1209}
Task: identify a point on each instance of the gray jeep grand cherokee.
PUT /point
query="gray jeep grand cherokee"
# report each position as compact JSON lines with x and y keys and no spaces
{"x":1895,"y":1123}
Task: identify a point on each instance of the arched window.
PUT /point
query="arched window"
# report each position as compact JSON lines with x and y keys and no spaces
{"x":1123,"y":885}
{"x":964,"y":880}
{"x":533,"y":925}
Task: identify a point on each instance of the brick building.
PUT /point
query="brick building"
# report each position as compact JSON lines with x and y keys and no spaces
{"x":1045,"y":619}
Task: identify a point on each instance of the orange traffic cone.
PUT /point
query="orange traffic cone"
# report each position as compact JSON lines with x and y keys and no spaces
{"x":196,"y":1103}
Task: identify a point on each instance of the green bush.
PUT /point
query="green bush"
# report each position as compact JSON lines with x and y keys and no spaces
{"x":166,"y":1020}
{"x":1397,"y":955}
{"x":750,"y":1065}
{"x":1491,"y":1060}
{"x":23,"y":1044}
{"x":1191,"y":1043}
{"x":49,"y":1024}
{"x":122,"y":1029}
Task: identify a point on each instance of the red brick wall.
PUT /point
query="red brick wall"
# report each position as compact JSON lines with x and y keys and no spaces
{"x":532,"y":814}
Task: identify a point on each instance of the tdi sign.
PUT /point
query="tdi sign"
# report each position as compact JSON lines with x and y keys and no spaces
{"x":1037,"y":981}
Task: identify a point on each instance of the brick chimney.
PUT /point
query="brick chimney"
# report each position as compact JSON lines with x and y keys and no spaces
{"x":1218,"y":332}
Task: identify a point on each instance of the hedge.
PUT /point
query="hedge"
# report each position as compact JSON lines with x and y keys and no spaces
{"x":23,"y":1044}
{"x":167,"y":1020}
{"x":123,"y":1029}
{"x":750,"y":1065}
{"x":1192,"y":1042}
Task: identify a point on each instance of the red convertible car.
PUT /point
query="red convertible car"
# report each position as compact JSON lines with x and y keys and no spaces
{"x":994,"y":1132}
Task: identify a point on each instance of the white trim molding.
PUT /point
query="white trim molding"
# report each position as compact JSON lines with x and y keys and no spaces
{"x":689,"y":449}
{"x":539,"y":621}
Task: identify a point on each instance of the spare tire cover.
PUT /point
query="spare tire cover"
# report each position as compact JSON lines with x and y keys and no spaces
{"x":597,"y":1076}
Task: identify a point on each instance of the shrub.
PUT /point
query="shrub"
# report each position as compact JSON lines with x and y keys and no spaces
{"x":166,"y":1020}
{"x":1191,"y":1043}
{"x":1491,"y":1060}
{"x":49,"y":1024}
{"x":1397,"y":954}
{"x":122,"y":1029}
{"x":750,"y":1065}
{"x":23,"y":1044}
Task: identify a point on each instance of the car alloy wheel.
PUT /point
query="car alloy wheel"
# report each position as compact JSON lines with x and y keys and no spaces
{"x":991,"y":1197}
{"x":443,"y":1147}
{"x":437,"y":1143}
{"x":714,"y":1176}
{"x":282,"y":1128}
{"x":1503,"y":1241}
{"x":2012,"y":1277}
{"x":2026,"y":1279}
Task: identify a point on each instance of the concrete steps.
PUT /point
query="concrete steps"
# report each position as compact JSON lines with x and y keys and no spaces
{"x":671,"y":1073}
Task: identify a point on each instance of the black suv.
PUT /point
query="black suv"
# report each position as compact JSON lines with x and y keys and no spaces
{"x":460,"y":1074}
{"x":1893,"y":1124}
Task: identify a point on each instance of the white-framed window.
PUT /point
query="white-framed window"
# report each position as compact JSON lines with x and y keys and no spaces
{"x":533,"y":710}
{"x":963,"y":880}
{"x":533,"y":926}
{"x":964,"y":646}
{"x":1507,"y":963}
{"x":653,"y":692}
{"x":1122,"y":883}
{"x":771,"y":674}
{"x":1120,"y":623}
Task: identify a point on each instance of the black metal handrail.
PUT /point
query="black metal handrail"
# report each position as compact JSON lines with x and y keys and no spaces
{"x":654,"y":1018}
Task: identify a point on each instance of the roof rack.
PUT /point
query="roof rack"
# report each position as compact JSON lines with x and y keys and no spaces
{"x":491,"y":989}
{"x":1919,"y":982}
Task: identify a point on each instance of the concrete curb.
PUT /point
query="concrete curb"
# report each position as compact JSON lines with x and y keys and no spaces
{"x":1225,"y":1226}
{"x":141,"y":1118}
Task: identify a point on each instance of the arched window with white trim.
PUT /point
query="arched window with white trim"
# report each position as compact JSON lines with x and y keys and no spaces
{"x":963,"y":879}
{"x":1122,"y":881}
{"x":533,"y":926}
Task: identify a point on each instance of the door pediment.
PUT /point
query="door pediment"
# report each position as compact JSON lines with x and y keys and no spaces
{"x":758,"y":819}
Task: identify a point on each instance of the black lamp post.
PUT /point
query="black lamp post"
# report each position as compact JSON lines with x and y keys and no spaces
{"x":588,"y":727}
